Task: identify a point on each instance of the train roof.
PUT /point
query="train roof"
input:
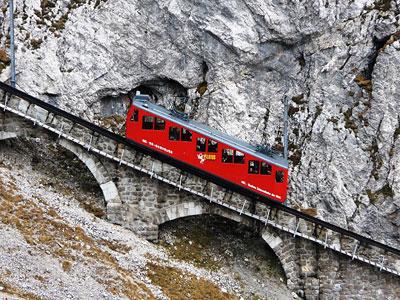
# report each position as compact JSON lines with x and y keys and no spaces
{"x":143,"y":102}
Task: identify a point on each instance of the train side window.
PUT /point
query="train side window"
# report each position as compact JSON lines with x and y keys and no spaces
{"x":239,"y":157}
{"x":147,"y":122}
{"x":186,"y":135}
{"x":279,"y":176}
{"x":253,"y":166}
{"x":135,"y":115}
{"x":266,"y":169}
{"x":174,"y":133}
{"x":212,"y":146}
{"x":227,"y":155}
{"x":159,"y":124}
{"x":201,"y":144}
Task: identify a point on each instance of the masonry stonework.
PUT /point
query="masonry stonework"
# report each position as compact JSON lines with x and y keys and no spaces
{"x":141,"y":203}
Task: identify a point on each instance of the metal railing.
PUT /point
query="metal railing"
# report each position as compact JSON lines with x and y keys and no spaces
{"x":381,"y":261}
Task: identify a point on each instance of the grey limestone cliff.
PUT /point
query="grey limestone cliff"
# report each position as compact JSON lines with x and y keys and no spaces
{"x":337,"y":61}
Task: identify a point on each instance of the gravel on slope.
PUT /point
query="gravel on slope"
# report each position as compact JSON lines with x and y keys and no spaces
{"x":52,"y":248}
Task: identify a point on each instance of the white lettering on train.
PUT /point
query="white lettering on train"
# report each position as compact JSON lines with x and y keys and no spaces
{"x":259,"y":189}
{"x":157,"y":146}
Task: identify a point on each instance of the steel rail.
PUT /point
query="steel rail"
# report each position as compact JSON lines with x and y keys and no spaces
{"x":119,"y":139}
{"x":152,"y":174}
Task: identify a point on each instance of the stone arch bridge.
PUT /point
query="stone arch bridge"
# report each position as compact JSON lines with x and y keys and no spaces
{"x":142,"y":201}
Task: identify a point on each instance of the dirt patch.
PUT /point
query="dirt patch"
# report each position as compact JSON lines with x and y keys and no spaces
{"x":178,"y":285}
{"x":221,"y":245}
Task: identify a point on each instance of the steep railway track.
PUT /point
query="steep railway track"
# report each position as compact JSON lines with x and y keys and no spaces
{"x":372,"y":252}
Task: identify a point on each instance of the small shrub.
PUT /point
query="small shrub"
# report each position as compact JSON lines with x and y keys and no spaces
{"x":373,"y":197}
{"x":66,"y":265}
{"x":202,"y":88}
{"x":363,"y":82}
{"x":348,"y":121}
{"x":382,"y":5}
{"x":295,"y":158}
{"x":292,"y":110}
{"x":35,"y":43}
{"x":4,"y":58}
{"x":60,"y":23}
{"x":299,"y":99}
{"x":386,"y":191}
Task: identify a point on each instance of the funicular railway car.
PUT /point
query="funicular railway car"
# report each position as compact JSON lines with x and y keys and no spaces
{"x":207,"y":149}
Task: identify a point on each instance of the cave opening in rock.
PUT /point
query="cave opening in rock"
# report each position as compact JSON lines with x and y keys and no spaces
{"x":214,"y":243}
{"x":161,"y":90}
{"x":164,"y":91}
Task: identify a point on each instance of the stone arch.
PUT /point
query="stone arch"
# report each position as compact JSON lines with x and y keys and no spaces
{"x":108,"y":187}
{"x":284,"y":246}
{"x":194,"y":208}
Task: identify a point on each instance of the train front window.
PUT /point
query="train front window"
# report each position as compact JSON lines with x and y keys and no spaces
{"x":279,"y":176}
{"x":174,"y":133}
{"x":239,"y":157}
{"x":201,"y":144}
{"x":160,"y":124}
{"x":227,"y":155}
{"x":186,"y":135}
{"x":266,"y":169}
{"x":212,"y":146}
{"x":148,"y":122}
{"x":135,"y":116}
{"x":253,"y":166}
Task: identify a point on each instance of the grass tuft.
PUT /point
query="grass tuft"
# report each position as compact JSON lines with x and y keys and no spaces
{"x":4,"y":58}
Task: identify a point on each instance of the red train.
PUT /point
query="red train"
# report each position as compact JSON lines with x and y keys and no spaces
{"x":223,"y":157}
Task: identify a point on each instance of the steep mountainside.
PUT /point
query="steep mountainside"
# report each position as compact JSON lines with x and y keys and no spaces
{"x":337,"y":61}
{"x":51,"y":247}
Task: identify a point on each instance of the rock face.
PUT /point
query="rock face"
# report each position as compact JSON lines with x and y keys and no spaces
{"x":337,"y":61}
